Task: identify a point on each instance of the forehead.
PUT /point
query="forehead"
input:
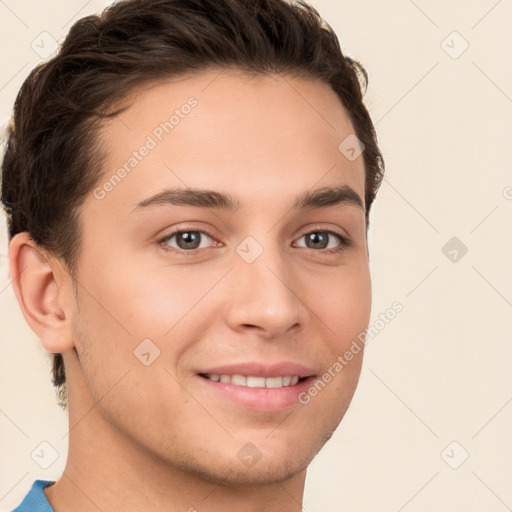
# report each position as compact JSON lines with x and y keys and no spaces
{"x":227,"y":130}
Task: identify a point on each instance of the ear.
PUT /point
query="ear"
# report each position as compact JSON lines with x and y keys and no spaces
{"x":43,"y":289}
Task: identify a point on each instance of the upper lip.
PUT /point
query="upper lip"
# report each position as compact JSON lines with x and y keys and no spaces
{"x":257,"y":369}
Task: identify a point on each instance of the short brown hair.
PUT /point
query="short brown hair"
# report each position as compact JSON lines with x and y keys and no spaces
{"x":49,"y":169}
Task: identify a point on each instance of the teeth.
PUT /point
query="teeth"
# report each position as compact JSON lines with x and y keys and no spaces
{"x":256,"y":382}
{"x":274,"y":382}
{"x":237,"y":380}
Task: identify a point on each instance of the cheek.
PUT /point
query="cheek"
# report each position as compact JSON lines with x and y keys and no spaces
{"x":126,"y":314}
{"x":159,"y":298}
{"x":344,"y":306}
{"x":344,"y":309}
{"x":112,"y":349}
{"x":140,"y":302}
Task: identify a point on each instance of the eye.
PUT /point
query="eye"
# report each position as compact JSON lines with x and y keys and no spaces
{"x":191,"y":240}
{"x":186,"y":240}
{"x":328,"y":241}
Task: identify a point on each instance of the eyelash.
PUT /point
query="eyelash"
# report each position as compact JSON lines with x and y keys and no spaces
{"x":345,"y":242}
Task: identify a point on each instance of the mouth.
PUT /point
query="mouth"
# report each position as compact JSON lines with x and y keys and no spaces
{"x":258,"y":387}
{"x":254,"y":381}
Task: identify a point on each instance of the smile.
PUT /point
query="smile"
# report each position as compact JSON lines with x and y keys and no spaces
{"x":252,"y":381}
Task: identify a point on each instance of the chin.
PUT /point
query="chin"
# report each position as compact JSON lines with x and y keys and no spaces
{"x":269,"y":469}
{"x":262,"y":473}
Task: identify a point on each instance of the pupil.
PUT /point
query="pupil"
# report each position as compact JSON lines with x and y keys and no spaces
{"x":189,"y":238}
{"x":318,"y":237}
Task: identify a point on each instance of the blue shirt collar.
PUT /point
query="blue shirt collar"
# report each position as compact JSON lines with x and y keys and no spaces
{"x":35,"y":500}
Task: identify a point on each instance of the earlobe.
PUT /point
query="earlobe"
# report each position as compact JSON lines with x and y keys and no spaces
{"x":40,"y":287}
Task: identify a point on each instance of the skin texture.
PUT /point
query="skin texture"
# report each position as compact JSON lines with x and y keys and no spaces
{"x":152,"y":437}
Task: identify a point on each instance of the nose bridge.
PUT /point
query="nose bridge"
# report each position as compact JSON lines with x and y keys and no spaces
{"x":264,"y":296}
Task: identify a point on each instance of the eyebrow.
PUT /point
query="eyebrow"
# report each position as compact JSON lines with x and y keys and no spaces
{"x":323,"y":197}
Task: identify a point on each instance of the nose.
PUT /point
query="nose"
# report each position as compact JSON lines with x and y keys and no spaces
{"x":266,"y":298}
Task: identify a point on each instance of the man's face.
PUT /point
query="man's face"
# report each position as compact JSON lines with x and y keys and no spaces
{"x":266,"y":286}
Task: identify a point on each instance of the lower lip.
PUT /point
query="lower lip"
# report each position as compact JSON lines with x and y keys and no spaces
{"x":259,"y":399}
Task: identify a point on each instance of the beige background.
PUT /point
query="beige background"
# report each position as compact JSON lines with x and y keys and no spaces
{"x":441,"y":370}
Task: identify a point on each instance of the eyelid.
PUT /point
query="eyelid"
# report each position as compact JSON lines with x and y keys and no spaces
{"x":327,"y":229}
